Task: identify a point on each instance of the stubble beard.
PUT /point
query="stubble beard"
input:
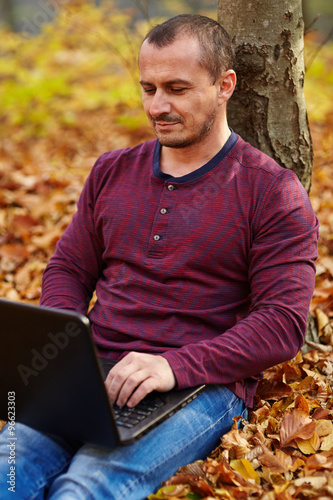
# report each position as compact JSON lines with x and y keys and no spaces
{"x":178,"y":142}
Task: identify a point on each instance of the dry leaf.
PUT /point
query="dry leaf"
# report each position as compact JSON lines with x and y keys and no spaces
{"x":302,"y":404}
{"x":322,"y":319}
{"x":233,"y":440}
{"x":296,"y":424}
{"x":327,"y":443}
{"x":324,"y":427}
{"x":15,"y":251}
{"x":273,"y":390}
{"x":196,"y":484}
{"x":245,"y":468}
{"x":315,"y":481}
{"x":323,"y":460}
{"x":309,"y":446}
{"x":277,"y":463}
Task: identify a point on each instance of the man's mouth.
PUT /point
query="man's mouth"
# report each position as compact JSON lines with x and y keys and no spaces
{"x":165,"y":121}
{"x":165,"y":125}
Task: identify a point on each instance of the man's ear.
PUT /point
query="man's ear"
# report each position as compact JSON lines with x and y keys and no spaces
{"x":227,"y":84}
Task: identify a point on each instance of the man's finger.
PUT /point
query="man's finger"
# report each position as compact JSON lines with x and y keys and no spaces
{"x":145,"y":388}
{"x":130,"y":385}
{"x":115,"y":380}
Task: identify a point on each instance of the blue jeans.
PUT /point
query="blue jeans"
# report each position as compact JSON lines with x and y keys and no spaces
{"x":48,"y":468}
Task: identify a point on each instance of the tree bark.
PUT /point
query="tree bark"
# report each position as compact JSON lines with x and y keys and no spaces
{"x":268,"y":107}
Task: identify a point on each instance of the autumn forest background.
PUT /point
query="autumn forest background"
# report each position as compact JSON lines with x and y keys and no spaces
{"x":68,"y":93}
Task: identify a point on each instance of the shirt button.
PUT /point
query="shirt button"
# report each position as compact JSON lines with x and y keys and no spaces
{"x":157,"y":237}
{"x":171,"y":187}
{"x":163,"y":211}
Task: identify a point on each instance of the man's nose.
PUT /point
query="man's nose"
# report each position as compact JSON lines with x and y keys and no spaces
{"x":160,"y":104}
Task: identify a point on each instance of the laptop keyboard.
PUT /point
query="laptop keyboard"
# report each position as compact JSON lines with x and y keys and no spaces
{"x":128,"y":417}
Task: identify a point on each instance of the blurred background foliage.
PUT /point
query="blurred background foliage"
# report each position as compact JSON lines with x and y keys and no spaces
{"x":63,"y":61}
{"x":21,"y":15}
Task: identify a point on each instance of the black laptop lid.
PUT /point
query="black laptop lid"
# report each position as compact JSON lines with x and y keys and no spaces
{"x":36,"y":344}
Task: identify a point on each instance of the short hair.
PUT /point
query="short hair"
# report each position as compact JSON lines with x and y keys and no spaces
{"x":217,"y":52}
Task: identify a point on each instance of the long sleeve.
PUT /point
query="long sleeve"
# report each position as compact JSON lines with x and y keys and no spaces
{"x":71,"y":276}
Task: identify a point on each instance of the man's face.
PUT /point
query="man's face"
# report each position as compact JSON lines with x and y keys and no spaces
{"x":179,"y":98}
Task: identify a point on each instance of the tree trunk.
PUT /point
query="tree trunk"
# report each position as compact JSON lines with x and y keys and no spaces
{"x":7,"y":13}
{"x":268,"y":107}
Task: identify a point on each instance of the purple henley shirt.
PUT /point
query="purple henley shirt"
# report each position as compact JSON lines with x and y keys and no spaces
{"x":213,"y":270}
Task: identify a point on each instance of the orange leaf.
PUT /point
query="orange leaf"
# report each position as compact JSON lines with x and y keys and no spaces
{"x":319,"y":461}
{"x":14,"y":251}
{"x":233,"y":440}
{"x":296,"y":424}
{"x":302,"y":403}
{"x":197,"y":484}
{"x":273,"y":390}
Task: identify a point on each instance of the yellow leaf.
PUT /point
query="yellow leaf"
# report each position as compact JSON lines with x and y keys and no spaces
{"x":280,"y":488}
{"x":245,"y":468}
{"x":322,"y":319}
{"x":171,"y":491}
{"x":223,"y":493}
{"x":309,"y":446}
{"x":297,"y":464}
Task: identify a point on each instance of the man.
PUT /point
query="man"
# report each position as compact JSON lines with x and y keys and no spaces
{"x":201,"y":250}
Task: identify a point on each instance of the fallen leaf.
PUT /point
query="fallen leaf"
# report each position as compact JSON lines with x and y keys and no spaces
{"x":315,"y":481}
{"x":22,"y":225}
{"x":296,"y":424}
{"x":197,"y":484}
{"x":322,"y":319}
{"x":49,"y":239}
{"x":324,"y":427}
{"x":245,"y":468}
{"x":277,"y":463}
{"x":327,"y":443}
{"x":273,"y":390}
{"x":233,"y":440}
{"x":322,"y":460}
{"x":302,"y":404}
{"x":309,"y":446}
{"x":15,"y":252}
{"x":171,"y":492}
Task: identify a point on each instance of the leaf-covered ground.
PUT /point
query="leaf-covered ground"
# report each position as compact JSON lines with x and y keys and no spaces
{"x":285,"y":449}
{"x":67,"y":96}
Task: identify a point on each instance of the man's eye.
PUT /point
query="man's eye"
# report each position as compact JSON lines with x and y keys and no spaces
{"x":177,"y":90}
{"x":149,"y":91}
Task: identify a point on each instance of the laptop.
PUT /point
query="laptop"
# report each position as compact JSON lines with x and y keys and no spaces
{"x":50,"y":368}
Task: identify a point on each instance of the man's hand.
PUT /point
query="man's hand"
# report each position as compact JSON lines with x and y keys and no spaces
{"x":136,"y":375}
